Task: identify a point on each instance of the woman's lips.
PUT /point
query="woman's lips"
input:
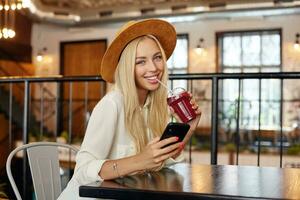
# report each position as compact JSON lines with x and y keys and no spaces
{"x":152,"y":79}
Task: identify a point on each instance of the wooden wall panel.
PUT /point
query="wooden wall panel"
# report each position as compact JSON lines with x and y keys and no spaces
{"x":4,"y":146}
{"x":19,"y":47}
{"x":81,"y":59}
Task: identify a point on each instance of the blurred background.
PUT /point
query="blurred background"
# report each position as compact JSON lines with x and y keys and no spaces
{"x":239,"y":58}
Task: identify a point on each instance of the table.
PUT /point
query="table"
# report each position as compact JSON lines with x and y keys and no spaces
{"x":185,"y":181}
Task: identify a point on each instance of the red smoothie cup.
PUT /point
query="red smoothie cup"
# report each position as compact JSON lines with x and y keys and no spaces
{"x":179,"y":100}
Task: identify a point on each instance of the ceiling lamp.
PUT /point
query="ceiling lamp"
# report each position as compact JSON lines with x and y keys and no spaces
{"x":8,"y":10}
{"x":200,"y":46}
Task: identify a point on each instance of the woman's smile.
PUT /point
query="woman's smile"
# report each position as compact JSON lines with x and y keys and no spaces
{"x":149,"y":66}
{"x":152,"y":79}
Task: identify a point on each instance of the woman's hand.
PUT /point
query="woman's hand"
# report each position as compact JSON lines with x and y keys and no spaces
{"x":150,"y":159}
{"x":193,"y":123}
{"x":155,"y":153}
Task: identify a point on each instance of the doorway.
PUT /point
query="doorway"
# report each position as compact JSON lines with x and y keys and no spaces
{"x":79,"y":58}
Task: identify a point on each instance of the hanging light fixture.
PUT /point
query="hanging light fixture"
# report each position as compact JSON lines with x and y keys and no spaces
{"x":41,"y":53}
{"x":200,"y":46}
{"x":8,"y":10}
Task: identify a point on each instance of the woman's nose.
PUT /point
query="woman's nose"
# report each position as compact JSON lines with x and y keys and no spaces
{"x":152,"y":66}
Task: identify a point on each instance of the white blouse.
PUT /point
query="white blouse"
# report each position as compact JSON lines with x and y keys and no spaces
{"x":106,"y":138}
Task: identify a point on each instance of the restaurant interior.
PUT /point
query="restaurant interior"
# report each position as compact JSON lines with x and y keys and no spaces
{"x":239,"y":58}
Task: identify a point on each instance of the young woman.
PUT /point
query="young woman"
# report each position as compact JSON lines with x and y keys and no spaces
{"x":122,"y":136}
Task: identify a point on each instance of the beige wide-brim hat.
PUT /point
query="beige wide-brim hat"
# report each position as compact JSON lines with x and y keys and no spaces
{"x":162,"y":30}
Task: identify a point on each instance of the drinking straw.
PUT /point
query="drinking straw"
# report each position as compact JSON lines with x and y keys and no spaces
{"x":170,"y":91}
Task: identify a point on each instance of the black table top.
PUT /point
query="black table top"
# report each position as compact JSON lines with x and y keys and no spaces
{"x":185,"y":181}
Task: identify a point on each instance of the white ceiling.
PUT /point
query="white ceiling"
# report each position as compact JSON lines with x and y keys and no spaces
{"x":86,"y":12}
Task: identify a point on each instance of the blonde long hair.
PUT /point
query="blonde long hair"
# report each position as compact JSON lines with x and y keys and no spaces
{"x":158,"y":110}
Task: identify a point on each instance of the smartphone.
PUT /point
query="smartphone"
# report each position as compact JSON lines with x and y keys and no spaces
{"x":175,"y":129}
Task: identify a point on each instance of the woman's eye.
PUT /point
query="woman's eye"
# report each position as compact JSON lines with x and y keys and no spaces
{"x":140,"y":62}
{"x":158,"y":57}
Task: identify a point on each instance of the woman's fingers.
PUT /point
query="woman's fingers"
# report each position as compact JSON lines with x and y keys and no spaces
{"x":169,"y":155}
{"x":178,"y":151}
{"x":171,"y":148}
{"x":198,"y":112}
{"x":168,"y":152}
{"x":193,"y":103}
{"x":195,"y":106}
{"x":154,"y":140}
{"x":165,"y":142}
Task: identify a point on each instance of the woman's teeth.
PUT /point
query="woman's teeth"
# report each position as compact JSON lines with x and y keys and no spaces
{"x":152,"y":78}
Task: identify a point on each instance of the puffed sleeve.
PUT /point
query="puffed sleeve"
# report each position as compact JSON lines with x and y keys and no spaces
{"x":97,"y":142}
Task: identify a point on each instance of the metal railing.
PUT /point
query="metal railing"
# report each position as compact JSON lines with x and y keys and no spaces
{"x":213,"y":78}
{"x":19,"y":70}
{"x":27,"y":82}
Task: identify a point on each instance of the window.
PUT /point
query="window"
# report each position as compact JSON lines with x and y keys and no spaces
{"x":178,"y":62}
{"x":244,"y":52}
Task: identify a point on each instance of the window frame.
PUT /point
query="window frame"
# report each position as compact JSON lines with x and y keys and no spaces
{"x":174,"y":70}
{"x":218,"y":35}
{"x":221,"y":67}
{"x":182,"y":35}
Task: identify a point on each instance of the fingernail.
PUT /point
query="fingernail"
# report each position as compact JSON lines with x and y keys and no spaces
{"x":177,"y":138}
{"x":182,"y":145}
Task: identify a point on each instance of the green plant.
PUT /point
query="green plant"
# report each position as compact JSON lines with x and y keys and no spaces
{"x":228,"y":118}
{"x":244,"y":148}
{"x":264,"y":150}
{"x":252,"y":150}
{"x":202,"y":146}
{"x":75,"y":138}
{"x":65,"y":134}
{"x":230,"y":147}
{"x":194,"y":141}
{"x":293,"y":150}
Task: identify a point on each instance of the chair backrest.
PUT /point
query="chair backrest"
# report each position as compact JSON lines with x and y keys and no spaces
{"x":44,"y":167}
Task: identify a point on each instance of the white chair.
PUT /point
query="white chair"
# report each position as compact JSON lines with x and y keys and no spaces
{"x":44,"y":167}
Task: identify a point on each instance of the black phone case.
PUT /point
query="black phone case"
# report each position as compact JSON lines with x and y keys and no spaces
{"x":175,"y":129}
